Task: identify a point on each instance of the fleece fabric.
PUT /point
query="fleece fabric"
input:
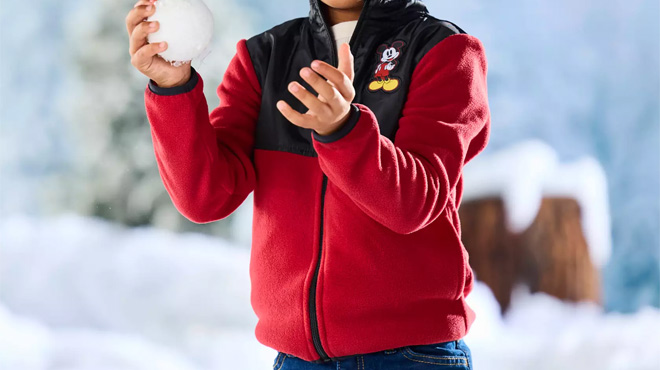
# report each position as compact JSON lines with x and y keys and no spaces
{"x":356,"y":247}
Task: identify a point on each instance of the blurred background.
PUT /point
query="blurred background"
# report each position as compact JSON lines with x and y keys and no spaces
{"x":561,"y":214}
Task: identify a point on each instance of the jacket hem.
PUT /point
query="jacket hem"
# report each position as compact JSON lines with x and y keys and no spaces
{"x":447,"y":320}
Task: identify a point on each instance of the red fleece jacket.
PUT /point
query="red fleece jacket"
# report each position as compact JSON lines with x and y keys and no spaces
{"x":393,"y":269}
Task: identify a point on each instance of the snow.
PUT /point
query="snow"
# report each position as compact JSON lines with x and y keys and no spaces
{"x":522,"y":174}
{"x":541,"y":332}
{"x":27,"y":344}
{"x":163,"y":284}
{"x":186,"y":26}
{"x":84,"y":280}
{"x":81,"y":293}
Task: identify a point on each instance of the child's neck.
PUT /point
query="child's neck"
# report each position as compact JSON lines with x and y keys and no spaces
{"x":334,"y":15}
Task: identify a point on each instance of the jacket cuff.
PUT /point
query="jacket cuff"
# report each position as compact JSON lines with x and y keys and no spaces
{"x":353,"y":117}
{"x":168,"y":91}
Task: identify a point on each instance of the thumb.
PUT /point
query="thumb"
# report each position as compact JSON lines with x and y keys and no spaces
{"x":346,"y":60}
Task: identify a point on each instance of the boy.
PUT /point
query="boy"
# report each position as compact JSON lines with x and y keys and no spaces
{"x":356,"y":258}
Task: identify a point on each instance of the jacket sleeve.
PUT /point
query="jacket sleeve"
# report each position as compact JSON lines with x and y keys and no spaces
{"x":406,"y":184}
{"x":206,"y":160}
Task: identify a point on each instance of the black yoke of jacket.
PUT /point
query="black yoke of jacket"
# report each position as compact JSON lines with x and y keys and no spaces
{"x":399,"y":32}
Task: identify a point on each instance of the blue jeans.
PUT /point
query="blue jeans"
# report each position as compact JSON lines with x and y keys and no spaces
{"x":444,"y":355}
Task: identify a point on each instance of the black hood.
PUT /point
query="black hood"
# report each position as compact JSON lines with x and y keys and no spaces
{"x":376,"y":14}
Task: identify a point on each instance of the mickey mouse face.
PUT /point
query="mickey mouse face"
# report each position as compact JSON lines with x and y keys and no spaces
{"x":389,"y":55}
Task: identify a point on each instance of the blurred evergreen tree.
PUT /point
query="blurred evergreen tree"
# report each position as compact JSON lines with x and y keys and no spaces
{"x":116,"y":176}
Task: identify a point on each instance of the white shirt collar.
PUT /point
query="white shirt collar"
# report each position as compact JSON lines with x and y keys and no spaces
{"x":343,"y":31}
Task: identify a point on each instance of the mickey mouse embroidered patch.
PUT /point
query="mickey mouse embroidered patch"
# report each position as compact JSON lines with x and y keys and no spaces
{"x":387,"y":55}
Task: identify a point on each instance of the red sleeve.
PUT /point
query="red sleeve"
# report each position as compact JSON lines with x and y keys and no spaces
{"x":445,"y":122}
{"x":205,"y":160}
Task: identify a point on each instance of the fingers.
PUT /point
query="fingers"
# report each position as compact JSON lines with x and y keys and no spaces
{"x":337,"y":77}
{"x":333,"y":93}
{"x":143,"y":57}
{"x":139,"y":36}
{"x":295,"y":117}
{"x":346,"y":60}
{"x":321,"y":86}
{"x":141,"y":10}
{"x":316,"y":106}
{"x":142,"y":2}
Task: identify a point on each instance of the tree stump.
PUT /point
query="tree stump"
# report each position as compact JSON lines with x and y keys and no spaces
{"x":551,"y":256}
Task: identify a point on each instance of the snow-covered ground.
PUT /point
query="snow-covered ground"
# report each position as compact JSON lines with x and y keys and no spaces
{"x":81,"y":293}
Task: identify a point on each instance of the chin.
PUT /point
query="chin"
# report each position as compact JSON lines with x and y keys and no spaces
{"x":343,"y":4}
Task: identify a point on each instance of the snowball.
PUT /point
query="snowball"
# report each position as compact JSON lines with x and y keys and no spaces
{"x":186,"y":26}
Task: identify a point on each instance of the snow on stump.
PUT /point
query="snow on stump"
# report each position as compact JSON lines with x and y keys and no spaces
{"x":527,"y":219}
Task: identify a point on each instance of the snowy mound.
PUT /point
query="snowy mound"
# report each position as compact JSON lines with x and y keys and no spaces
{"x":523,"y":174}
{"x":112,"y":277}
{"x":186,"y":26}
{"x":81,"y":293}
{"x":27,"y":344}
{"x":548,"y":334}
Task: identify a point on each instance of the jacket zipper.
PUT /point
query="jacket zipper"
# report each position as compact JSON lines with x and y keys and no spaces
{"x":316,"y":338}
{"x":312,"y":290}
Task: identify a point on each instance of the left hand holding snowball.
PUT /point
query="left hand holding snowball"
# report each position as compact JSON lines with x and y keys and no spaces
{"x":144,"y":55}
{"x":186,"y":26}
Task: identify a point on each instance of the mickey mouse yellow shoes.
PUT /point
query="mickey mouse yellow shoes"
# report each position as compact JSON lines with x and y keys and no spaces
{"x":387,"y":85}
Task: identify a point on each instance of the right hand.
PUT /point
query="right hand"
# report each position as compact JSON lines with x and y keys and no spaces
{"x":144,"y":56}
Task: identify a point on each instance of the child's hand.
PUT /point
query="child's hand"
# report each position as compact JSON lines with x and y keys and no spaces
{"x":144,"y":56}
{"x":330,"y":110}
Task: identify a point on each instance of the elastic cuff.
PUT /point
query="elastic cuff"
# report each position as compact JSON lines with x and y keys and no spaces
{"x":353,"y":118}
{"x":175,"y":90}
